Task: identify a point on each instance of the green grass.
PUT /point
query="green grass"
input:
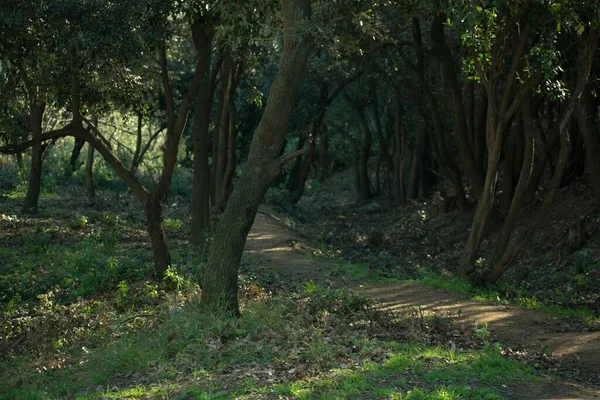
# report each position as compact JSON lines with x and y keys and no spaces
{"x":313,"y":343}
{"x":414,"y":372}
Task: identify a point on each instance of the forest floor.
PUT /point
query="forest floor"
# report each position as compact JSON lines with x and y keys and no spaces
{"x":542,"y":339}
{"x":80,"y":318}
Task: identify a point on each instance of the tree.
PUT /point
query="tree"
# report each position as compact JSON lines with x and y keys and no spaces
{"x":155,"y":33}
{"x":220,"y":283}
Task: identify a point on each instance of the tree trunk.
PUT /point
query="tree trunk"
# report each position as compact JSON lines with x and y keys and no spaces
{"x":587,"y":119}
{"x":364,"y":183}
{"x":89,"y":174}
{"x":231,"y":155}
{"x":473,"y":171}
{"x":30,"y":204}
{"x":383,"y":144}
{"x":500,"y":261}
{"x":498,"y":119}
{"x":72,"y":167}
{"x":216,"y":136}
{"x":323,"y":153}
{"x":587,"y":112}
{"x":398,"y":153}
{"x":484,"y":208}
{"x":585,"y":57}
{"x":200,"y":212}
{"x":160,"y":249}
{"x":220,"y":284}
{"x":307,"y":160}
{"x":440,"y":148}
{"x":294,"y":175}
{"x":20,"y":162}
{"x":508,"y":183}
{"x":479,"y":134}
{"x":221,"y":159}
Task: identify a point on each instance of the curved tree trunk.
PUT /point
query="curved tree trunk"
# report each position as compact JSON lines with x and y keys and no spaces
{"x":220,"y":283}
{"x":77,"y":147}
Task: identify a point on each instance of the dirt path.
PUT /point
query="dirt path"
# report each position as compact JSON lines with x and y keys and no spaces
{"x":283,"y":250}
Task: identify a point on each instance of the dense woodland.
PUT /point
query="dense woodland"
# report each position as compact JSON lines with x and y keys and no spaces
{"x":145,"y":137}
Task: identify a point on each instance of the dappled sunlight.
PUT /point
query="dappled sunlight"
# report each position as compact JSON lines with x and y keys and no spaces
{"x":511,"y":326}
{"x":269,"y":250}
{"x":257,"y":236}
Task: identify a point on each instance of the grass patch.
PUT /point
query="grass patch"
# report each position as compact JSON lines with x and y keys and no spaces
{"x":310,"y":343}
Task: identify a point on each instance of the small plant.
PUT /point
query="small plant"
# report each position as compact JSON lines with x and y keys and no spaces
{"x":122,"y":295}
{"x":173,"y":279}
{"x":112,"y":220}
{"x":79,"y":221}
{"x":172,"y":224}
{"x":109,"y":237}
{"x":585,"y":261}
{"x":482,"y":332}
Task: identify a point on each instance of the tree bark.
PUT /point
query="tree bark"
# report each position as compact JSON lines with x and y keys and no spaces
{"x":89,"y":174}
{"x":200,"y":211}
{"x":324,"y":153}
{"x":30,"y":204}
{"x":500,"y":261}
{"x":89,"y":170}
{"x":77,"y":147}
{"x":220,"y":283}
{"x":587,"y":113}
{"x":294,"y":176}
{"x":20,"y":162}
{"x":160,"y":249}
{"x":307,"y":160}
{"x":231,"y":155}
{"x":399,"y":195}
{"x":222,"y":149}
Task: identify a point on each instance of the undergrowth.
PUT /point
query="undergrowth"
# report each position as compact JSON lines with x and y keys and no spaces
{"x":312,"y":342}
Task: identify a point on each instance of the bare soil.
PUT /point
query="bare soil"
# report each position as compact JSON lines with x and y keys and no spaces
{"x":547,"y":341}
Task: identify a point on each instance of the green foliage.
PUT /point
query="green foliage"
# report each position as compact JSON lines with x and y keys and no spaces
{"x":122,"y":296}
{"x":11,"y":176}
{"x":585,"y":261}
{"x":90,"y":267}
{"x":314,"y":343}
{"x":173,"y":279}
{"x":172,"y":224}
{"x":79,"y":221}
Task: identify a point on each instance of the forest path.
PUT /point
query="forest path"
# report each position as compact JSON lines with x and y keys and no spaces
{"x":281,"y":250}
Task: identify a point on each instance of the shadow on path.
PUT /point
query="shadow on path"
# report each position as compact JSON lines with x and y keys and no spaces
{"x":286,"y":252}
